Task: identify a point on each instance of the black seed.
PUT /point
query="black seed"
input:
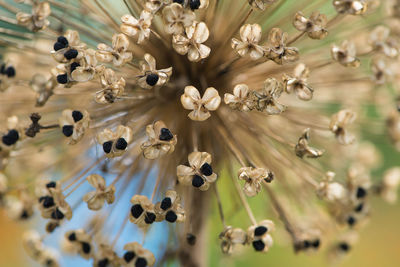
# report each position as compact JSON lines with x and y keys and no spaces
{"x":136,"y":210}
{"x":86,"y":247}
{"x":351,"y":221}
{"x":121,"y":144}
{"x":70,"y":54}
{"x":165,"y":135}
{"x":72,"y":237}
{"x":77,"y":115}
{"x":103,"y":263}
{"x":107,"y":147}
{"x":260,"y":230}
{"x":24,"y":215}
{"x":141,"y":262}
{"x":178,"y":1}
{"x":359,"y":208}
{"x":74,"y":65}
{"x":344,"y":246}
{"x":194,"y":4}
{"x":171,"y":217}
{"x":149,"y":218}
{"x":361,"y":192}
{"x":48,"y":202}
{"x":306,"y":244}
{"x":166,"y":203}
{"x":62,"y":78}
{"x":152,"y":79}
{"x":128,"y":256}
{"x":316,"y":243}
{"x":258,"y":245}
{"x":190,"y":239}
{"x":197,"y":181}
{"x":10,"y":71}
{"x":57,"y":215}
{"x":10,"y":138}
{"x":206,"y":169}
{"x":51,"y":185}
{"x":62,"y":40}
{"x":49,"y":262}
{"x":68,"y":130}
{"x":58,"y":46}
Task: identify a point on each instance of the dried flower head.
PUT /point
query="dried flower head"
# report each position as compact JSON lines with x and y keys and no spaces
{"x":352,"y":7}
{"x":259,"y":235}
{"x":136,"y":255}
{"x":200,"y":106}
{"x":199,"y":173}
{"x":150,"y":76}
{"x":253,"y":178}
{"x":137,"y":28}
{"x":298,"y":83}
{"x":169,"y":208}
{"x":118,"y":54}
{"x":315,"y":26}
{"x":38,"y":19}
{"x":345,"y":54}
{"x":95,"y":199}
{"x":115,"y":143}
{"x":303,"y":149}
{"x":261,"y":4}
{"x":231,"y":237}
{"x":112,"y":87}
{"x":277,"y":49}
{"x":250,"y":35}
{"x":339,"y":124}
{"x":74,"y":124}
{"x":161,"y":141}
{"x":142,"y":211}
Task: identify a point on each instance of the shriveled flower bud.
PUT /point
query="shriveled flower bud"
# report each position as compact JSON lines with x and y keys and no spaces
{"x":277,"y":49}
{"x":303,"y":149}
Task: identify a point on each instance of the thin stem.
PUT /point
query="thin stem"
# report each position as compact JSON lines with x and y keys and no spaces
{"x":221,"y":212}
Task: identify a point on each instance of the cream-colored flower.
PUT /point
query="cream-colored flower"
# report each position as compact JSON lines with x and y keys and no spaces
{"x":298,"y":83}
{"x":161,"y":141}
{"x":136,"y":255}
{"x":253,"y":178}
{"x":106,"y":256}
{"x":169,"y":208}
{"x":68,"y":47}
{"x":231,"y":237}
{"x":95,"y":199}
{"x":43,"y":87}
{"x":150,"y":75}
{"x":74,"y":124}
{"x":112,"y":87}
{"x":261,"y":4}
{"x":250,"y":35}
{"x":142,"y":211}
{"x":303,"y":149}
{"x":192,"y":42}
{"x":115,"y":143}
{"x":259,"y":235}
{"x":345,"y":54}
{"x":200,"y":107}
{"x":177,"y":18}
{"x":315,"y":26}
{"x":380,"y":40}
{"x":277,"y":49}
{"x":38,"y":19}
{"x":87,"y":67}
{"x":78,"y":242}
{"x":199,"y":173}
{"x":352,"y":7}
{"x":137,"y":28}
{"x":339,"y":124}
{"x":267,"y":97}
{"x":242,"y":98}
{"x":118,"y":54}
